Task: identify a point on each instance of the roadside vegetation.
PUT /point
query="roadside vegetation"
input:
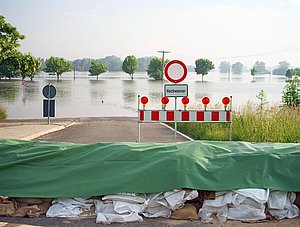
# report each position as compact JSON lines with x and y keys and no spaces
{"x":3,"y":114}
{"x":253,"y":124}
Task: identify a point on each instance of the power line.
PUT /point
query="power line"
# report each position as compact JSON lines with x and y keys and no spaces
{"x":286,"y":50}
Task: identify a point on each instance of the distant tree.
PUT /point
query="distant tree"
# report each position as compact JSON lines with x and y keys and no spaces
{"x":155,"y":68}
{"x":130,"y":65}
{"x":57,"y":66}
{"x":282,"y":68}
{"x":97,"y":68}
{"x":29,"y":66}
{"x":82,"y":65}
{"x":237,"y":68}
{"x":253,"y":72}
{"x":224,"y":67}
{"x":260,"y":67}
{"x":143,"y":63}
{"x":9,"y":40}
{"x":113,"y":63}
{"x":203,"y":66}
{"x":43,"y":64}
{"x":190,"y":68}
{"x":292,"y":72}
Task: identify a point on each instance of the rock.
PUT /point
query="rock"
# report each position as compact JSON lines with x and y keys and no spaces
{"x":32,"y":201}
{"x":188,"y":212}
{"x":7,"y":208}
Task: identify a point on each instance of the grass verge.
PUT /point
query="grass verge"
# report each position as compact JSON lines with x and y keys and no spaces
{"x":250,"y":123}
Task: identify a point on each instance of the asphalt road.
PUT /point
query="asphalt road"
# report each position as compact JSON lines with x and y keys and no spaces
{"x":93,"y":130}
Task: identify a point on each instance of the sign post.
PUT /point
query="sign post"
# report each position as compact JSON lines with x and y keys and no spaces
{"x":49,"y":92}
{"x":175,"y":71}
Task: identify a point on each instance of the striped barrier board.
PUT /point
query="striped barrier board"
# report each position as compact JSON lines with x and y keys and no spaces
{"x":184,"y":116}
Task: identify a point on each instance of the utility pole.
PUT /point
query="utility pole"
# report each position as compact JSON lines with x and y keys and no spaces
{"x":163,"y":60}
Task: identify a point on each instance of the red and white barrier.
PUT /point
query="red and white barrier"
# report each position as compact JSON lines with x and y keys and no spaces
{"x":184,"y":116}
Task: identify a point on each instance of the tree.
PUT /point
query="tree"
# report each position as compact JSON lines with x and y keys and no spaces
{"x":253,"y":72}
{"x":130,"y":65}
{"x":154,"y":69}
{"x":143,"y":63}
{"x":57,"y":66}
{"x":224,"y":67}
{"x":82,"y":65}
{"x":113,"y":63}
{"x":97,"y":68}
{"x":282,"y":68}
{"x":203,"y":66}
{"x":9,"y":68}
{"x":29,"y":66}
{"x":237,"y":68}
{"x":260,"y":67}
{"x":291,"y":92}
{"x":9,"y":40}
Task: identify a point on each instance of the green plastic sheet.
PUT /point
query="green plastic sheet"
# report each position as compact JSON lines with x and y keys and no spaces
{"x":66,"y":170}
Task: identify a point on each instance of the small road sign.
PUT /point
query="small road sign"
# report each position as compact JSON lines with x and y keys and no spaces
{"x":175,"y":71}
{"x":176,"y":90}
{"x":49,"y":91}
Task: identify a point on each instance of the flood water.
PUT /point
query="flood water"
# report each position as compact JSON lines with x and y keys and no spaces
{"x":115,"y":94}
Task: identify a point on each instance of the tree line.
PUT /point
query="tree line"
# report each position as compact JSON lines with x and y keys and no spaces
{"x":13,"y":63}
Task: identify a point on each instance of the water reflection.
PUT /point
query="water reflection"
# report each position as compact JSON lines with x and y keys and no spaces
{"x":29,"y":91}
{"x":129,"y":97}
{"x":97,"y":91}
{"x":9,"y":90}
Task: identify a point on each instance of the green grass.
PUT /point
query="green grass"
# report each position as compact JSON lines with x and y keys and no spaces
{"x":273,"y":124}
{"x":3,"y":114}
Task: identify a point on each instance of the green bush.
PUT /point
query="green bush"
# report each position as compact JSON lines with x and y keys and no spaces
{"x":3,"y":114}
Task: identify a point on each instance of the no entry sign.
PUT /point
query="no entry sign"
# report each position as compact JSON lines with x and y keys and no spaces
{"x":175,"y":71}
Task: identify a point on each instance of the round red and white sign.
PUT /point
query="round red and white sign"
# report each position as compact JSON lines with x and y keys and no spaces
{"x":175,"y":71}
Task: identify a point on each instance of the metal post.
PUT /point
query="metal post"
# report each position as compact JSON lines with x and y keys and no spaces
{"x":49,"y":103}
{"x":230,"y":129}
{"x":175,"y":119}
{"x":139,"y":125}
{"x":74,"y":72}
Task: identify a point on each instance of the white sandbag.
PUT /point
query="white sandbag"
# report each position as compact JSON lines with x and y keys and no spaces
{"x":248,"y":204}
{"x":126,"y":197}
{"x":125,"y":207}
{"x":177,"y":198}
{"x":157,"y":206}
{"x":216,"y":206}
{"x":69,"y":207}
{"x":248,"y":210}
{"x":60,"y":210}
{"x":281,"y":205}
{"x":106,"y":214}
{"x":258,"y":195}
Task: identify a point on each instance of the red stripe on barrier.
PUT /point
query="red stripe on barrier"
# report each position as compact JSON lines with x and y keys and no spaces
{"x":185,"y":116}
{"x":227,"y":116}
{"x":154,"y":115}
{"x":142,"y":118}
{"x":200,"y":116}
{"x":170,"y":115}
{"x":215,"y":116}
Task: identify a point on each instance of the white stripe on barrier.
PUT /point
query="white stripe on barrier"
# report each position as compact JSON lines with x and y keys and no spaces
{"x":185,"y":116}
{"x":207,"y":116}
{"x":193,"y":116}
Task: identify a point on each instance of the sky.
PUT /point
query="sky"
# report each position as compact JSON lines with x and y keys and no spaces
{"x":220,"y":30}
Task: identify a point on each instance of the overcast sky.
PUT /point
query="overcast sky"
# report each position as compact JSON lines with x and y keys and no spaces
{"x":232,"y":30}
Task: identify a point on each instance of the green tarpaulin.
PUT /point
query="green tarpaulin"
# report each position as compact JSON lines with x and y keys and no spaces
{"x":56,"y":170}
